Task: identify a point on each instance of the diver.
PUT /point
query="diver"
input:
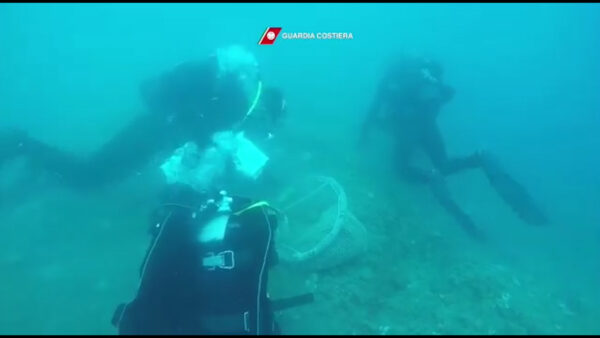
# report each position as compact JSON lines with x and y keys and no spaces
{"x":186,"y":104}
{"x":206,"y":270}
{"x":407,"y":102}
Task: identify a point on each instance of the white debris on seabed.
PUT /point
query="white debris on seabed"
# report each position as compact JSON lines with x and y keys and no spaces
{"x":565,"y":309}
{"x":383,"y":330}
{"x":503,"y":301}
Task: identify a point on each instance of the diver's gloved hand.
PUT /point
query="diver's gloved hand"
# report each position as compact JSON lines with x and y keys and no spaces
{"x":11,"y":143}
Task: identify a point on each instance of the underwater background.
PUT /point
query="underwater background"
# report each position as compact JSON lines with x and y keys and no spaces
{"x":527,"y":83}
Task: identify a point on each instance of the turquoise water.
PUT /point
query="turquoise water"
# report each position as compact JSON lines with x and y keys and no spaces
{"x":526,"y":80}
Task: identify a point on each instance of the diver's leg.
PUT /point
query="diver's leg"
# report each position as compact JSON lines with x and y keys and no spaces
{"x":15,"y":144}
{"x":124,"y":154}
{"x":434,"y":147}
{"x":129,"y":151}
{"x":433,"y":144}
{"x":404,"y":151}
{"x":511,"y":191}
{"x":405,"y":147}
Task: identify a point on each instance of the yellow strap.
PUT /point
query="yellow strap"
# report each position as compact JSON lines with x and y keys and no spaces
{"x":256,"y":99}
{"x":252,"y":106}
{"x":255,"y":205}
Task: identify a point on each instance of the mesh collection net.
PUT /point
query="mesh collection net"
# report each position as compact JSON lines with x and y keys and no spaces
{"x":318,"y":230}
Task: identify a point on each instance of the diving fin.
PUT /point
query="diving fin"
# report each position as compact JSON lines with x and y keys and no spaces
{"x":512,"y":192}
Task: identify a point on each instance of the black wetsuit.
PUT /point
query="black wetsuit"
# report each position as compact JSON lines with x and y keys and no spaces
{"x":407,"y":103}
{"x":185,"y":104}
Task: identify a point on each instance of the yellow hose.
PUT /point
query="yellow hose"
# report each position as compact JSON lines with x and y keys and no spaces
{"x":256,"y":99}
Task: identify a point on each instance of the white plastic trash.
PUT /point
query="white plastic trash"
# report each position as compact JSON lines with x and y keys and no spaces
{"x":203,"y":169}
